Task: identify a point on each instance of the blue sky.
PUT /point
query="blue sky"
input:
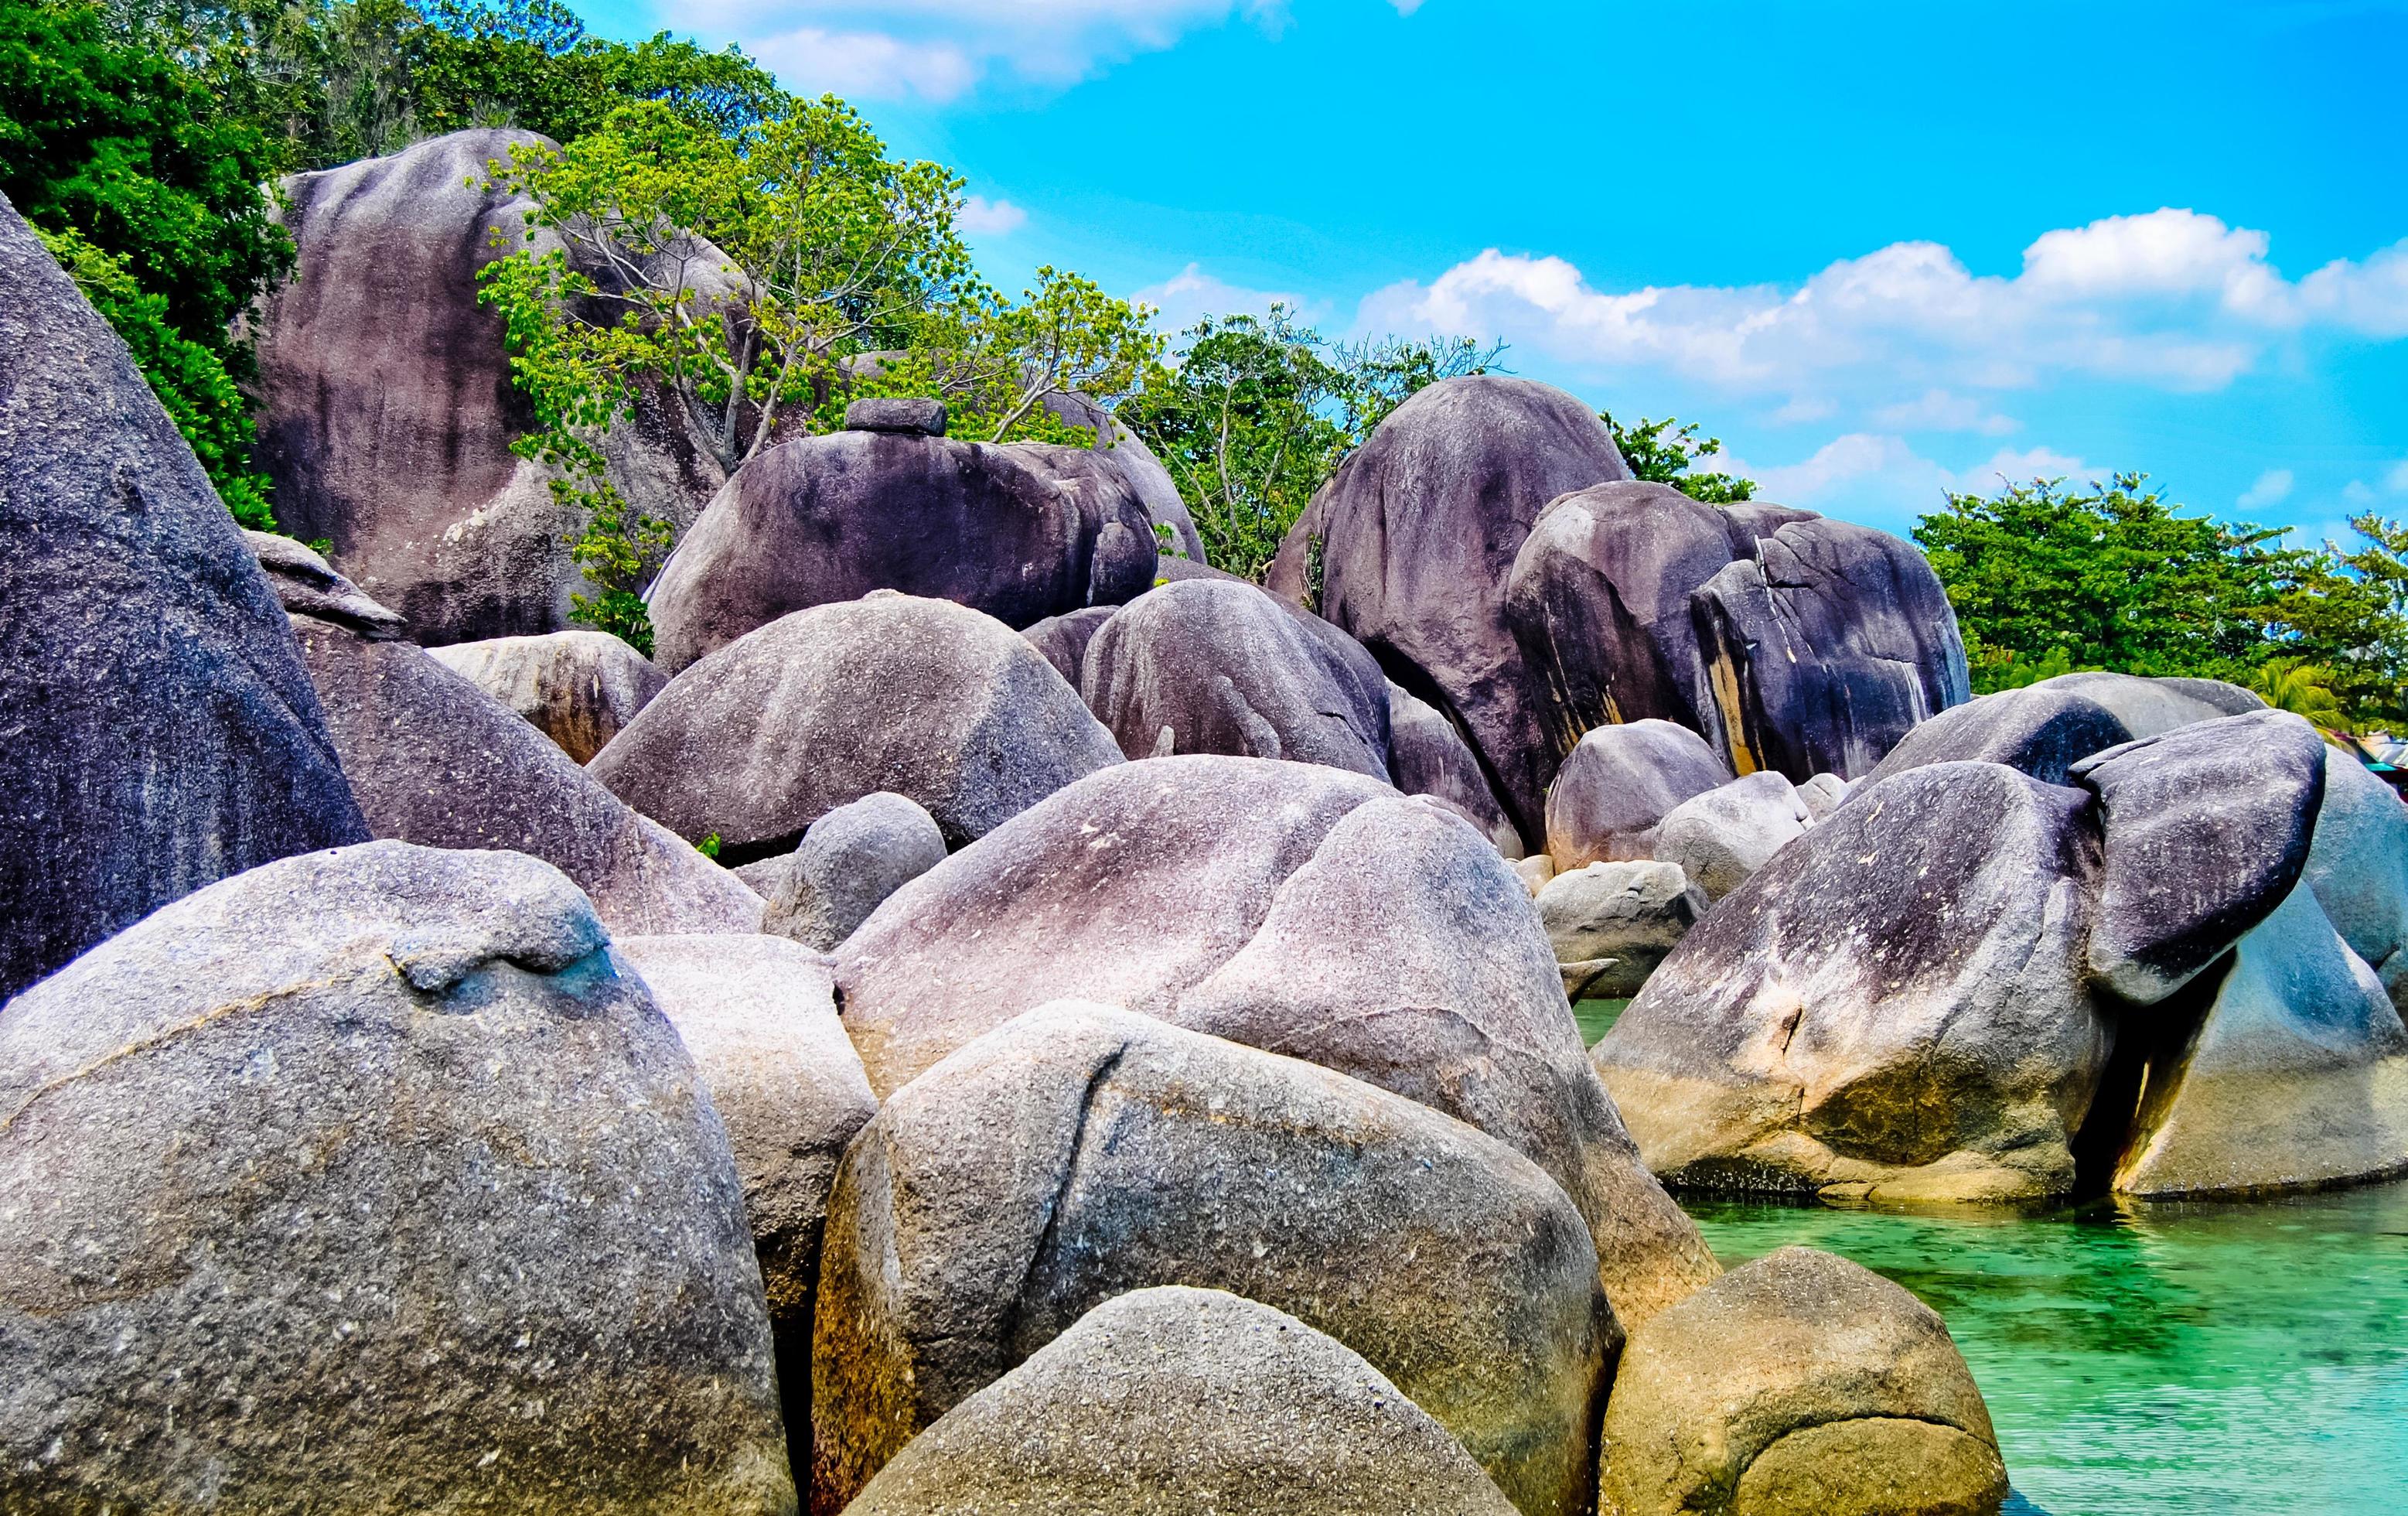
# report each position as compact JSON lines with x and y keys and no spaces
{"x":1880,"y":249}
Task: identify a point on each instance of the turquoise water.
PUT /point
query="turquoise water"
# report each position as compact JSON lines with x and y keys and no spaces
{"x":2234,"y":1359}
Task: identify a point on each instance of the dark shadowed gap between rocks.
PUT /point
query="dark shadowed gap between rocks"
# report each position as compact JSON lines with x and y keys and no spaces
{"x":1410,"y":678}
{"x":2153,"y":1047}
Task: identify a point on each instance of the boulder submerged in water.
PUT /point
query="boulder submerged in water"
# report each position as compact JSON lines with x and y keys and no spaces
{"x":1079,"y":1153}
{"x":1170,"y":1400}
{"x":308,"y":1132}
{"x":161,"y":732}
{"x":925,"y":698}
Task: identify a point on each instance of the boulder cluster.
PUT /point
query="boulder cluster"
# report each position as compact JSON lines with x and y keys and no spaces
{"x":1003,"y":1016}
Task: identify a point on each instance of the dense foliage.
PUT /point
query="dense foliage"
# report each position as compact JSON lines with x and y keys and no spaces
{"x":1257,"y":411}
{"x":2048,"y":579}
{"x":1668,"y":452}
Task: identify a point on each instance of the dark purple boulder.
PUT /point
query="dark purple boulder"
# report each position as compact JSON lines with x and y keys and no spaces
{"x":1427,"y":755}
{"x":1225,"y":667}
{"x":157,"y":731}
{"x":1064,"y":639}
{"x":1416,"y":536}
{"x":1021,"y":532}
{"x":2042,"y":731}
{"x":387,"y":409}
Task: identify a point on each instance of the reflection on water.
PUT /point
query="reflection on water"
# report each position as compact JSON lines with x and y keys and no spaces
{"x":2160,"y":1359}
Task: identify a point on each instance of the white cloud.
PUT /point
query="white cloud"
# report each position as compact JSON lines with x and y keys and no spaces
{"x":1944,"y":411}
{"x":2173,"y":299}
{"x":991,"y":218}
{"x":2356,"y":493}
{"x":2396,"y":481}
{"x":1180,"y":300}
{"x":937,"y":49}
{"x":1880,"y":481}
{"x":2271,"y":486}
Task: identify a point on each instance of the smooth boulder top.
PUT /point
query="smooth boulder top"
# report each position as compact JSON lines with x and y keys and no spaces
{"x":2152,"y":707}
{"x":847,"y":864}
{"x":579,"y":688}
{"x":1064,"y":639}
{"x":1616,"y":922}
{"x":1427,"y":755}
{"x":1172,"y":1400}
{"x":388,"y":406}
{"x":1798,"y":1385}
{"x":921,"y":696}
{"x":1417,"y":534}
{"x":436,"y":762}
{"x":1721,"y":837}
{"x":2207,"y":828}
{"x":160,"y":732}
{"x":1079,"y":1152}
{"x":1225,"y":668}
{"x":1292,"y":907}
{"x":1021,"y":532}
{"x":2042,"y":730}
{"x":1618,"y":785}
{"x":379,"y":1136}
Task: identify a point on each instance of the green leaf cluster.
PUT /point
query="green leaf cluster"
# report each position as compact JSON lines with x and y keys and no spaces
{"x":1669,"y":451}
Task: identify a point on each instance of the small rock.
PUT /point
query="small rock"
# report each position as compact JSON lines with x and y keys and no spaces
{"x":579,"y":688}
{"x":1534,"y":872}
{"x":1721,"y":837}
{"x":896,"y":413}
{"x":850,"y":860}
{"x":1616,"y":789}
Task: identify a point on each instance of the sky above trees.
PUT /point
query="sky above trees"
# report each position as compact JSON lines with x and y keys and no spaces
{"x":1881,"y":248}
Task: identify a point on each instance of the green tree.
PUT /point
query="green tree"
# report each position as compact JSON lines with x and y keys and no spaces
{"x":1668,"y":452}
{"x":149,"y":193}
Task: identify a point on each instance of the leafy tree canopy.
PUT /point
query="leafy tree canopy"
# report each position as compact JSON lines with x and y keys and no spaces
{"x":1668,"y":452}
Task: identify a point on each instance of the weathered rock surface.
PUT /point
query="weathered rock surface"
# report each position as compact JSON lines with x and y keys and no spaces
{"x":1823,"y":794}
{"x":1079,"y":1152}
{"x":1799,"y":1385}
{"x":1534,"y":872}
{"x":157,"y":732}
{"x":1292,"y":907}
{"x":1896,"y":1002}
{"x":581,"y":688}
{"x":307,"y":585}
{"x":758,"y":1015}
{"x":1427,"y":755}
{"x":2207,"y":828}
{"x":1125,"y":451}
{"x":1418,"y":532}
{"x":1721,"y":837}
{"x":320,"y":1178}
{"x":1064,"y":639}
{"x":1631,"y":913}
{"x":2153,"y":707}
{"x":1022,"y":533}
{"x":2041,"y":730}
{"x":2358,"y":867}
{"x":436,"y":762}
{"x":1226,"y":669}
{"x":388,"y":405}
{"x":1617,"y":787}
{"x":850,"y":860}
{"x":921,"y":696}
{"x":1172,"y":1400}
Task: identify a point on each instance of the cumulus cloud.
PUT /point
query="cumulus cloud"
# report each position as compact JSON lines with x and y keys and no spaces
{"x":2272,"y":486}
{"x":991,"y":218}
{"x":1942,"y":410}
{"x":2173,"y":299}
{"x":938,"y":50}
{"x":1191,"y":293}
{"x":1882,"y":481}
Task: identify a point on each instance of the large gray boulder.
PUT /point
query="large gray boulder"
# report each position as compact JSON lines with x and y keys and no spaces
{"x":1427,"y":755}
{"x":758,"y":1014}
{"x":1721,"y":837}
{"x":1619,"y":784}
{"x":387,"y":405}
{"x":1174,"y":1400}
{"x":1416,"y":535}
{"x":1021,"y":532}
{"x":1612,"y":923}
{"x":321,"y":1180}
{"x":2040,"y":729}
{"x":2207,"y":828}
{"x":1896,"y":1003}
{"x":1224,"y":668}
{"x":1292,"y":907}
{"x":2153,"y":707}
{"x":1079,"y":1153}
{"x":436,"y":762}
{"x":159,"y":732}
{"x":921,"y":696}
{"x":2358,"y":868}
{"x":581,"y":688}
{"x":847,"y":864}
{"x":1127,"y":453}
{"x":1799,"y":1385}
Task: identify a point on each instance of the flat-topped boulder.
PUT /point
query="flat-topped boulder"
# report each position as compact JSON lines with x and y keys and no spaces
{"x":1079,"y":1152}
{"x":1172,"y":1400}
{"x":925,"y":698}
{"x":162,"y":733}
{"x":579,"y":688}
{"x":320,"y":1177}
{"x":2152,"y":707}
